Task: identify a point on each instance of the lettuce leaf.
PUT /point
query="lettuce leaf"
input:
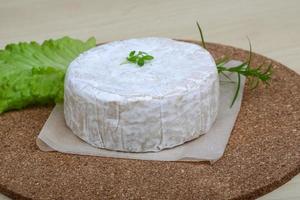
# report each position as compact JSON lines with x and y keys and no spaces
{"x":32,"y":73}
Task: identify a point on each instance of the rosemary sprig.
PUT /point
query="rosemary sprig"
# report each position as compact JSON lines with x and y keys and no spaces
{"x":138,"y":58}
{"x":255,"y":75}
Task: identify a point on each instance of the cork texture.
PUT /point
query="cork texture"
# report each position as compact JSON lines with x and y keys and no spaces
{"x":263,"y":153}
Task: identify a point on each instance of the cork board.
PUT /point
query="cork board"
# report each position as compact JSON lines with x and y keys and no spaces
{"x":263,"y":153}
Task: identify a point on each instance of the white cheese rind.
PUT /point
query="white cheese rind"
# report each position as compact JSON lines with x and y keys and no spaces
{"x":170,"y":100}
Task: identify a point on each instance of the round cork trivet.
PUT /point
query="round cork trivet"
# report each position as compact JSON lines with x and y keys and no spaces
{"x":263,"y":153}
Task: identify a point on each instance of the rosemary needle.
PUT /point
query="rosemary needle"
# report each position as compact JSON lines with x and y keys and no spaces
{"x":201,"y":35}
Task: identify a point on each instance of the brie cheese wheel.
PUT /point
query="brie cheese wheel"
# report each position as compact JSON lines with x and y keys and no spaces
{"x":170,"y":100}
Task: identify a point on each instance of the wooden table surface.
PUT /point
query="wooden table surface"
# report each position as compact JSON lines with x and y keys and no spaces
{"x":272,"y":25}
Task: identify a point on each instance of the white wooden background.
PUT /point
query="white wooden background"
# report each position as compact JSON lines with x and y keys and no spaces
{"x":272,"y":25}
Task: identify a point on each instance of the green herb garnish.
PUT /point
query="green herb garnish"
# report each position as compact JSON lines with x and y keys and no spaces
{"x":255,"y":75}
{"x":139,"y":58}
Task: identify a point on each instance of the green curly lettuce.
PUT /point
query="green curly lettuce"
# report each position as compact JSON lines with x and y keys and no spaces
{"x":33,"y":74}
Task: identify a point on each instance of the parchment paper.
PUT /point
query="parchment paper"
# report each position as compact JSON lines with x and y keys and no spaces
{"x":56,"y":136}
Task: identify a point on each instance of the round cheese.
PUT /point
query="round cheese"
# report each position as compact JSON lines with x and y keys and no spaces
{"x":170,"y":100}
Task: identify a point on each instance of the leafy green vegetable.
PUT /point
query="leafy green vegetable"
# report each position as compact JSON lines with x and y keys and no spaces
{"x":255,"y":75}
{"x":140,"y":58}
{"x":31,"y":73}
